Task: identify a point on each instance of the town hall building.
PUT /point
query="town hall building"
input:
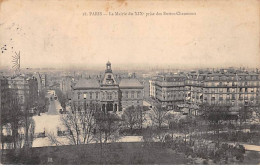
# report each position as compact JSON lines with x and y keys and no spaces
{"x":113,"y":94}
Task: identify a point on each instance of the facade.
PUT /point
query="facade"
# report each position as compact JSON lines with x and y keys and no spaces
{"x":224,"y":87}
{"x":4,"y":92}
{"x":112,"y":93}
{"x":66,"y":85}
{"x":41,"y":80}
{"x":152,"y":88}
{"x":25,"y":88}
{"x":169,"y":90}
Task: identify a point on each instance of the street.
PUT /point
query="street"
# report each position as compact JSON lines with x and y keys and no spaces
{"x":54,"y":106}
{"x":47,"y":122}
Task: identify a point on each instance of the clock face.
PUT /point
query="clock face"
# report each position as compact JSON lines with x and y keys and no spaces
{"x":109,"y":82}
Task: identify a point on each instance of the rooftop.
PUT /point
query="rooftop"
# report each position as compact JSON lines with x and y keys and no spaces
{"x":130,"y":82}
{"x":87,"y":83}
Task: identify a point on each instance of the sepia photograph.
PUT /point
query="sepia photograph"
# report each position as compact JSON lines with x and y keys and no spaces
{"x":130,"y":82}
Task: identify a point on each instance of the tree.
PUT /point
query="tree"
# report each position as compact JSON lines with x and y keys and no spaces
{"x":186,"y":126}
{"x":42,"y":101}
{"x":215,"y":115}
{"x":16,"y":118}
{"x":130,"y":117}
{"x":158,"y":115}
{"x":141,"y":116}
{"x":79,"y":124}
{"x":12,"y":120}
{"x":62,"y":98}
{"x":107,"y":128}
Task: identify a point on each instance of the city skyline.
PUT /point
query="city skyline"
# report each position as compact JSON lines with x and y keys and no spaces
{"x":55,"y":36}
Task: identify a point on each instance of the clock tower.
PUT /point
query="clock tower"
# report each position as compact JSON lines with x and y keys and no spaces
{"x":109,"y":77}
{"x":109,"y":91}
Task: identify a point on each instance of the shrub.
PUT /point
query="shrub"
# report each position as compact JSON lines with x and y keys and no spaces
{"x":205,"y":162}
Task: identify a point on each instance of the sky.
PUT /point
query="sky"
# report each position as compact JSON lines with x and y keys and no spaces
{"x":55,"y":33}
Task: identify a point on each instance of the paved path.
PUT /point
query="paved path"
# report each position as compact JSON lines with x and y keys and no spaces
{"x":252,"y":147}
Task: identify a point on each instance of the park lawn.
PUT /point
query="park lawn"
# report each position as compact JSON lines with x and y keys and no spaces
{"x":112,"y":153}
{"x":251,"y":158}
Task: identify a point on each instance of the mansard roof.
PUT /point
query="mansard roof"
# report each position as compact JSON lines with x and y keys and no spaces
{"x":130,"y":83}
{"x":87,"y":84}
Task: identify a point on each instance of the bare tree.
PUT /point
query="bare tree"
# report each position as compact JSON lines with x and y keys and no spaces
{"x":77,"y":125}
{"x":13,"y":121}
{"x":215,"y":116}
{"x":141,"y":116}
{"x":53,"y":139}
{"x":130,"y":117}
{"x":80,"y":123}
{"x":108,"y":126}
{"x":62,"y":98}
{"x":158,"y":116}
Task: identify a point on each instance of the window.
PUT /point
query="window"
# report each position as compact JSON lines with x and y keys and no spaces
{"x":85,"y":95}
{"x":233,"y":97}
{"x":138,"y":94}
{"x":240,"y":97}
{"x":246,"y":97}
{"x":109,"y":96}
{"x":220,"y":97}
{"x":115,"y":95}
{"x":96,"y":95}
{"x":90,"y":95}
{"x":126,"y":94}
{"x":78,"y":95}
{"x":132,"y":94}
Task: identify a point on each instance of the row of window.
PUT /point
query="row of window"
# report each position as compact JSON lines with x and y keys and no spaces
{"x":92,"y":95}
{"x":232,"y":98}
{"x":242,"y":90}
{"x":248,"y":77}
{"x":234,"y":83}
{"x":131,"y":94}
{"x":95,"y":95}
{"x":109,"y":95}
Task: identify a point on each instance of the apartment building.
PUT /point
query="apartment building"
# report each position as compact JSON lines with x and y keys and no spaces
{"x":223,"y":87}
